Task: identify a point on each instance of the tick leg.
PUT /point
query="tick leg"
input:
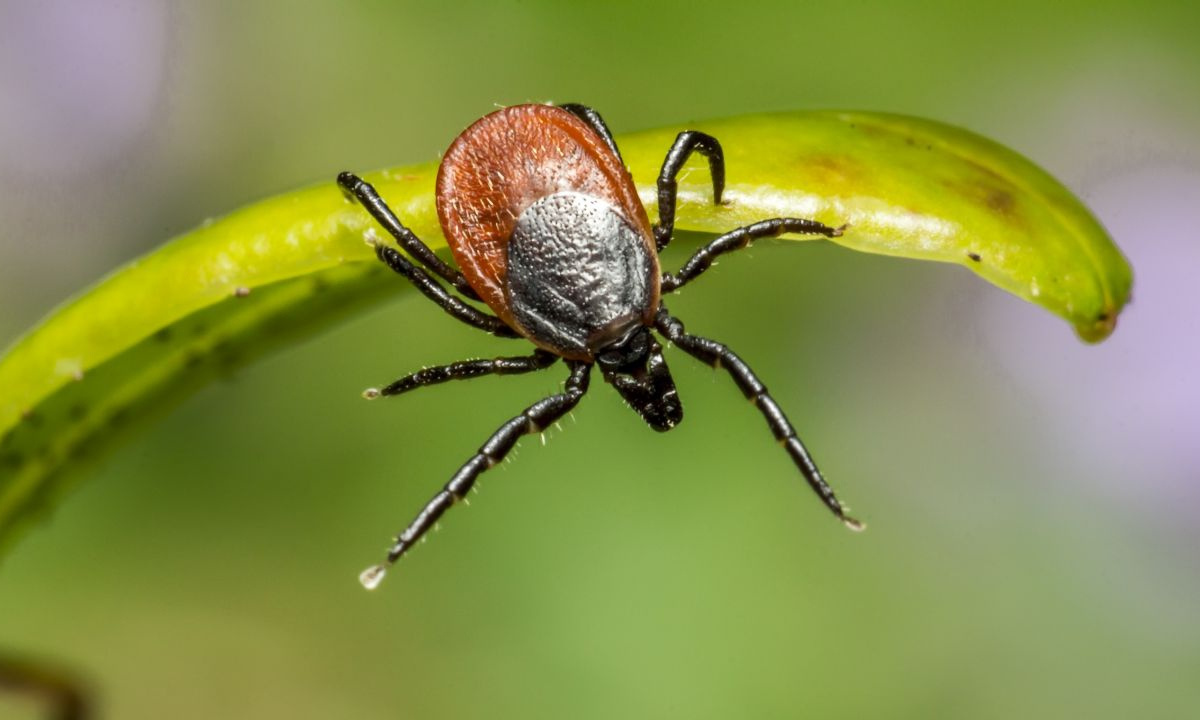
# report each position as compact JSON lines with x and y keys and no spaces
{"x":449,"y":302}
{"x":738,"y":239}
{"x":467,"y":369}
{"x":534,"y":419}
{"x":686,"y":143}
{"x":362,"y":191}
{"x":719,"y":356}
{"x":592,"y":118}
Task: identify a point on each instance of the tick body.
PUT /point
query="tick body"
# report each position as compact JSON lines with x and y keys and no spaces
{"x":547,"y":230}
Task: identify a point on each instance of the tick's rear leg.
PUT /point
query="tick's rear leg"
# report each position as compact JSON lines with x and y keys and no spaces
{"x":686,"y":143}
{"x":364,"y":192}
{"x":592,"y":118}
{"x":740,"y":238}
{"x":451,"y":303}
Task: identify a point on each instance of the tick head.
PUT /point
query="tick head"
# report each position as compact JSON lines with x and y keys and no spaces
{"x":635,"y":366}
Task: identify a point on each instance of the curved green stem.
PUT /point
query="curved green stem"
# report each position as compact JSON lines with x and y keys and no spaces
{"x":263,"y":276}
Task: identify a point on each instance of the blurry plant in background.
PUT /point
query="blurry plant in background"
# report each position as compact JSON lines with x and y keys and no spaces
{"x":1032,"y":500}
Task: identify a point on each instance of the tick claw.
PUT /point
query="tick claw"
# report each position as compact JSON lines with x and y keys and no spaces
{"x":372,"y":576}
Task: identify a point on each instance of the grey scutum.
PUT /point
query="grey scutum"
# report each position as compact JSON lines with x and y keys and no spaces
{"x":578,"y":273}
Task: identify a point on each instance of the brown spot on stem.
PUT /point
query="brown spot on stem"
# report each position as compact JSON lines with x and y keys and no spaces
{"x":832,"y":169}
{"x":1101,"y":327}
{"x":1002,"y":201}
{"x":994,"y":196}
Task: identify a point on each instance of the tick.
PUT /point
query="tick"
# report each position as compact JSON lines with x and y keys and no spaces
{"x":548,"y":232}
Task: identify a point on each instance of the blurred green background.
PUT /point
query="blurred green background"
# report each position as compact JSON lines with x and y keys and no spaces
{"x":1032,"y":501}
